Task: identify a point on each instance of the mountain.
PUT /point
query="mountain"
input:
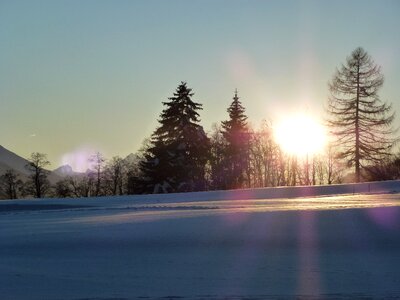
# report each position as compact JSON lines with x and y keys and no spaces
{"x":4,"y":168}
{"x":65,"y":170}
{"x":131,"y":159}
{"x":10,"y":160}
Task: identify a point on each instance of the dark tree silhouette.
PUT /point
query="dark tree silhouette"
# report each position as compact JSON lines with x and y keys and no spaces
{"x":39,"y":184}
{"x":114,"y":175}
{"x":10,"y":184}
{"x":237,"y":136}
{"x":217,"y":158}
{"x":97,"y":161}
{"x":63,"y":188}
{"x":360,"y":121}
{"x":81,"y":186}
{"x":175,"y":160}
{"x":386,"y":170}
{"x":134,"y":180}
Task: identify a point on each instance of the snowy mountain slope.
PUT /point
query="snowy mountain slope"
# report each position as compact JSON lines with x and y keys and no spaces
{"x":66,"y":170}
{"x":4,"y":168}
{"x":10,"y":160}
{"x":13,"y":161}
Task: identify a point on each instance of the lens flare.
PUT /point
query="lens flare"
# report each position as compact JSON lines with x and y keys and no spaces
{"x":78,"y":159}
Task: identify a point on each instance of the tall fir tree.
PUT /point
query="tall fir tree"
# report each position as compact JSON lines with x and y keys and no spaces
{"x":179,"y":148}
{"x":237,"y":136}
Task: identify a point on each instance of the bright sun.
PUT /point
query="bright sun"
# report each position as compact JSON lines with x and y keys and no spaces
{"x":300,"y":135}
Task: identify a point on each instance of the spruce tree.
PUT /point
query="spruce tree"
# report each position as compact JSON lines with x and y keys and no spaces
{"x":175,"y":160}
{"x":237,"y":136}
{"x":360,"y":121}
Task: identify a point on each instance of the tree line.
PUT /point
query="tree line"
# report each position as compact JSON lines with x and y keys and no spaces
{"x":181,"y":157}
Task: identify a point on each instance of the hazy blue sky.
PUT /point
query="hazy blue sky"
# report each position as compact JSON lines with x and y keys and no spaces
{"x":91,"y":75}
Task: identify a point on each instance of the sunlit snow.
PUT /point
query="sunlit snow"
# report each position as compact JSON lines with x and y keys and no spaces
{"x":202,"y":246}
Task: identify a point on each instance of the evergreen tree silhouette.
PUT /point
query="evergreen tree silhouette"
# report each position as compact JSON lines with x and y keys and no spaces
{"x":236,"y":133}
{"x":175,"y":160}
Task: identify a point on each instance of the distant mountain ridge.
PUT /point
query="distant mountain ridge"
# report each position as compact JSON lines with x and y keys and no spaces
{"x":10,"y":160}
{"x":65,"y":170}
{"x":13,"y":161}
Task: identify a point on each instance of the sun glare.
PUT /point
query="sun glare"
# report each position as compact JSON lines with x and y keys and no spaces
{"x":78,"y":159}
{"x":300,"y":135}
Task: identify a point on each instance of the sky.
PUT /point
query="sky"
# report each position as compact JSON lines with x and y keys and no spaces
{"x":83,"y":76}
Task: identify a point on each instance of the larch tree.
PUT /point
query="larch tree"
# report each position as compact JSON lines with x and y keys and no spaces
{"x":237,"y":136}
{"x":359,"y":120}
{"x":179,"y":148}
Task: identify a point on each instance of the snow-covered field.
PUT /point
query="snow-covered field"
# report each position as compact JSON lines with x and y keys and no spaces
{"x":202,"y":246}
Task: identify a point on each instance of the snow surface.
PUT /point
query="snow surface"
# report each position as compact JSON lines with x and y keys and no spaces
{"x":202,"y":246}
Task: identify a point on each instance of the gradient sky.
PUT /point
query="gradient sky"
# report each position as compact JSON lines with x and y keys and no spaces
{"x":80,"y":76}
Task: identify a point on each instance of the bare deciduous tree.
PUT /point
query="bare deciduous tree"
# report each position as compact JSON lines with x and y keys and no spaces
{"x":115,"y":173}
{"x":97,"y":161}
{"x":63,"y":188}
{"x":39,"y":184}
{"x":10,"y":184}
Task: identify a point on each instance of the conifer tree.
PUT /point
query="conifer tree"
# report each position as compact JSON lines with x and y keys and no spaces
{"x":175,"y":160}
{"x":360,"y":121}
{"x":237,"y":136}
